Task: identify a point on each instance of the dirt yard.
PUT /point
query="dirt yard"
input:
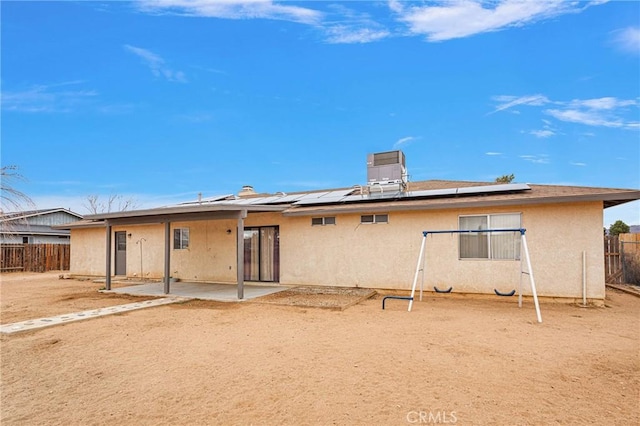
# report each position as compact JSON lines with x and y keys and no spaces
{"x":450,"y":361}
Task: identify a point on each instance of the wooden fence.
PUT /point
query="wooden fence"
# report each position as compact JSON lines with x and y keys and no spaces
{"x":622,"y":259}
{"x":34,"y":257}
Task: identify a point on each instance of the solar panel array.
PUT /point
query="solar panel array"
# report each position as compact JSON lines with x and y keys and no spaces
{"x":353,"y":195}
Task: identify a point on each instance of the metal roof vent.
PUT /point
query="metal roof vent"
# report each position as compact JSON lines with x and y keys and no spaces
{"x":386,"y":170}
{"x":246,"y":191}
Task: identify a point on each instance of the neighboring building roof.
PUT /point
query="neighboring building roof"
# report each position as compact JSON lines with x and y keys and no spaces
{"x":10,"y":216}
{"x":423,"y":195}
{"x":37,"y":222}
{"x":25,"y":229}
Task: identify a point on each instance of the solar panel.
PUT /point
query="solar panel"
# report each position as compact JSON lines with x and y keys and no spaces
{"x":342,"y":195}
{"x":339,"y":193}
{"x":272,"y":199}
{"x":336,"y":197}
{"x":208,"y":200}
{"x":313,"y":195}
{"x":432,"y":193}
{"x":323,"y":200}
{"x":507,"y":187}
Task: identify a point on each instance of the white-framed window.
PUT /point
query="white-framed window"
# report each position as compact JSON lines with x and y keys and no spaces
{"x":180,"y":238}
{"x":327,"y":220}
{"x":374,"y":218}
{"x":490,"y":245}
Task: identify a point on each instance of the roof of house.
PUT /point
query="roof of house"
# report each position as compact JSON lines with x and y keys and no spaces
{"x":11,"y":216}
{"x":533,"y":194}
{"x":26,"y":229}
{"x":423,"y":195}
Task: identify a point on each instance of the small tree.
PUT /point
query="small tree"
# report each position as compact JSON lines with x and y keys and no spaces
{"x":12,"y":199}
{"x":506,"y":178}
{"x":619,"y":227}
{"x":115,"y":203}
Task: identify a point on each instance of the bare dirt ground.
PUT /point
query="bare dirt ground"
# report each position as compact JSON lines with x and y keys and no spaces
{"x":449,"y":361}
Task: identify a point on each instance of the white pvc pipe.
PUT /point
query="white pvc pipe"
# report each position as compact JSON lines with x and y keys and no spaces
{"x":415,"y":277}
{"x":584,"y":278}
{"x":533,"y":282}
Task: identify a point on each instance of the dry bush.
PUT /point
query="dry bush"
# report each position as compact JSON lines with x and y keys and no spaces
{"x":631,"y":265}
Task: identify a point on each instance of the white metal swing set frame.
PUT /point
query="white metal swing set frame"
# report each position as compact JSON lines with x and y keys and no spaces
{"x":529,"y":271}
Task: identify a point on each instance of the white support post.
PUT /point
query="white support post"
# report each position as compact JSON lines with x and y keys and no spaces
{"x":533,"y":282}
{"x":584,"y":278}
{"x":415,"y":277}
{"x":520,"y":284}
{"x":422,"y":279}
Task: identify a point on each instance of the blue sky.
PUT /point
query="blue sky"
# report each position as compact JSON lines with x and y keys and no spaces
{"x":161,"y":100}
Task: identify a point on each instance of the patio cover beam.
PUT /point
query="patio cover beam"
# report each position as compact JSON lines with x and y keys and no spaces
{"x":167,"y":219}
{"x":183,"y":217}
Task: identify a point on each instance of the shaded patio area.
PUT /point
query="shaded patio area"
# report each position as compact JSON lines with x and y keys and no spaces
{"x":205,"y":291}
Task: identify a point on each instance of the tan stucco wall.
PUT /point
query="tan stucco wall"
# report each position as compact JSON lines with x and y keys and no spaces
{"x":211,"y":255}
{"x":382,"y":256}
{"x":88,"y":251}
{"x":385,"y":255}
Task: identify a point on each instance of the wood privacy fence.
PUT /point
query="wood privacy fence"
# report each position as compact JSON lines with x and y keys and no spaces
{"x":622,"y":259}
{"x":34,"y":257}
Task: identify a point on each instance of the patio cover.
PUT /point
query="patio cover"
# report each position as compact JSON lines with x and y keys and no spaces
{"x":180,"y":213}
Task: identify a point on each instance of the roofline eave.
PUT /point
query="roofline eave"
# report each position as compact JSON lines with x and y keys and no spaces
{"x":400,"y":206}
{"x":255,"y":208}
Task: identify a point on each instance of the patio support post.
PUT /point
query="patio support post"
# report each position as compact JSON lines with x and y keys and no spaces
{"x":167,"y":256}
{"x":107,"y":282}
{"x":240,"y":256}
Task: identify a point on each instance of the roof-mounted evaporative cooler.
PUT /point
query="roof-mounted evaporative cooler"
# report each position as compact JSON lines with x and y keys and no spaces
{"x":386,"y":170}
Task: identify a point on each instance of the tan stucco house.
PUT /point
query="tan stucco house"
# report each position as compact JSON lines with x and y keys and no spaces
{"x":364,"y":236}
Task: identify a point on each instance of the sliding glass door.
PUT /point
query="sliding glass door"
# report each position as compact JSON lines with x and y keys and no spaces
{"x":262,"y":254}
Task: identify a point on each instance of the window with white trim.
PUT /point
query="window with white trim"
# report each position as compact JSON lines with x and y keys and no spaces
{"x":180,"y":238}
{"x":490,"y":245}
{"x":319,"y":221}
{"x":374,"y":218}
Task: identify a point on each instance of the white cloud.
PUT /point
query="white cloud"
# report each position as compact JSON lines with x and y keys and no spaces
{"x":233,"y":9}
{"x":456,"y":19}
{"x":578,"y":164}
{"x":440,"y":20}
{"x":600,"y":112}
{"x":156,"y":64}
{"x":628,"y":39}
{"x":536,"y":159}
{"x":589,"y":118}
{"x":347,"y":26}
{"x":339,"y":25}
{"x":47,"y":98}
{"x":404,"y":141}
{"x":507,"y":102}
{"x":490,"y":153}
{"x":606,"y":103}
{"x":545,"y":133}
{"x":343,"y":34}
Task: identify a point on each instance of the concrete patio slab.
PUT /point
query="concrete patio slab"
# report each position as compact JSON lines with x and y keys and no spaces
{"x":205,"y":291}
